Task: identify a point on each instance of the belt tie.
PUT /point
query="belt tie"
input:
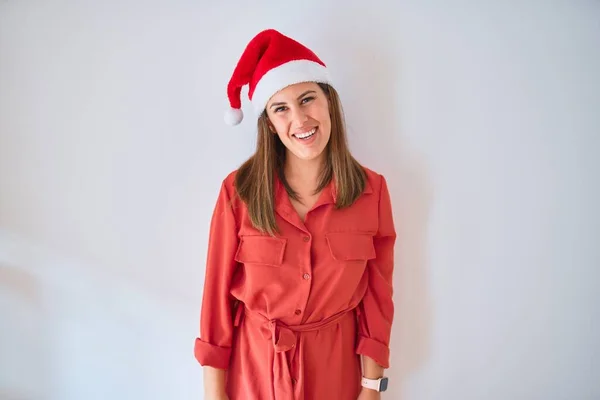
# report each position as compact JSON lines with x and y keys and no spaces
{"x":284,"y":339}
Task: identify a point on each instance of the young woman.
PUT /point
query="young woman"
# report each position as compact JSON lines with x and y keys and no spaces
{"x":297,"y":297}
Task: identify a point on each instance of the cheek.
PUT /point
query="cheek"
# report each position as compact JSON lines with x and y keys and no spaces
{"x":282,"y":136}
{"x":281,"y":129}
{"x":321,"y":113}
{"x":324,"y":117}
{"x":277,"y":124}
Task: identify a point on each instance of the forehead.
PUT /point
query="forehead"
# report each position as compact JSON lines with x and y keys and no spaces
{"x":293,"y":91}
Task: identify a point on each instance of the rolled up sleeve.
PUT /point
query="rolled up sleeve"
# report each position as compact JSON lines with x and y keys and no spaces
{"x":213,"y":346}
{"x":376,"y":310}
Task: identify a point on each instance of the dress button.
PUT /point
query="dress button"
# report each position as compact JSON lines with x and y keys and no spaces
{"x":297,"y":312}
{"x":306,"y":238}
{"x":306,"y":276}
{"x":294,"y":381}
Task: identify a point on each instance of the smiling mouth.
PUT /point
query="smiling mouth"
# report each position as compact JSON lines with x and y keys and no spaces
{"x":305,"y":135}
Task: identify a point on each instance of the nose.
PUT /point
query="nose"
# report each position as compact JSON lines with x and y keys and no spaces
{"x":299,"y":117}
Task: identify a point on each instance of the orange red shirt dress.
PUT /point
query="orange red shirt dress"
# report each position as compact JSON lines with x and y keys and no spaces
{"x":288,"y":316}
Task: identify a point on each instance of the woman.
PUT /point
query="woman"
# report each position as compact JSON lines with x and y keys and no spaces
{"x":298,"y":289}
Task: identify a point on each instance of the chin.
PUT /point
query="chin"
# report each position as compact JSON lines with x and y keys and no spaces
{"x":309,"y":157}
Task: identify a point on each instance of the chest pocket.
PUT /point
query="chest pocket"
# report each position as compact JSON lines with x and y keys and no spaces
{"x":351,"y":246}
{"x":265,"y":250}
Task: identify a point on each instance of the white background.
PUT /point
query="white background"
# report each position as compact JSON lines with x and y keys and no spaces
{"x":483,"y":116}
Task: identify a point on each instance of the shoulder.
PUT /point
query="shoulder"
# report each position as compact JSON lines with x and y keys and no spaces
{"x":371,"y":174}
{"x":374,"y":179}
{"x":229,"y":179}
{"x":227,"y":186}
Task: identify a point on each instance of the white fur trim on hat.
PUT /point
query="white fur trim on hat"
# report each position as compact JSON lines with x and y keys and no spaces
{"x":287,"y":74}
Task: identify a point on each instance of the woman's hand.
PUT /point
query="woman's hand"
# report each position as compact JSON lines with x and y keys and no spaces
{"x":369,"y":394}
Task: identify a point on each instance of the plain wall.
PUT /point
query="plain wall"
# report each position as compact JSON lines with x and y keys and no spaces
{"x":483,"y":116}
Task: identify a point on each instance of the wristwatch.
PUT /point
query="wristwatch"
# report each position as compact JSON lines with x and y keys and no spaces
{"x":379,"y":385}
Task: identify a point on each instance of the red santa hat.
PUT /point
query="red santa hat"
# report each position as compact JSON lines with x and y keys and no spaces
{"x":271,"y":62}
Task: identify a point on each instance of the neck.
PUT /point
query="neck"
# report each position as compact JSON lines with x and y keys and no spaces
{"x":303,"y":172}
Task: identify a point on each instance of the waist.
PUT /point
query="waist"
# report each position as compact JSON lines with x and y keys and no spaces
{"x":283,"y":335}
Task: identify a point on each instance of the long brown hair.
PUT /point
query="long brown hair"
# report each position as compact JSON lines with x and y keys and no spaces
{"x":255,"y":179}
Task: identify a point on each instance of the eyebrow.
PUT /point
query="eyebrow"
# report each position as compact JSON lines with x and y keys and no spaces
{"x":299,"y":97}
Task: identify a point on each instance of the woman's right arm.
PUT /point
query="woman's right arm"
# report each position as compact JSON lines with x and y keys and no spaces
{"x":214,"y":384}
{"x":213,"y":346}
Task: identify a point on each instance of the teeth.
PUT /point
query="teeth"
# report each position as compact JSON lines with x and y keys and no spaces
{"x":306,"y":134}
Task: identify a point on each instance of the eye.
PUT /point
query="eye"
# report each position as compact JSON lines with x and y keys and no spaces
{"x":279,"y":109}
{"x":307,"y":99}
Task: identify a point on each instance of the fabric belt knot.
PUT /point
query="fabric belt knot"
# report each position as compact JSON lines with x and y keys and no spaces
{"x":284,"y":339}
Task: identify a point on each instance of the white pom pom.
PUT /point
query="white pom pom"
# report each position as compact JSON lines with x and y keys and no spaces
{"x":233,"y":116}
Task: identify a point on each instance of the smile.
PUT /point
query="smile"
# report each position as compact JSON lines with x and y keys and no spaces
{"x":305,"y":135}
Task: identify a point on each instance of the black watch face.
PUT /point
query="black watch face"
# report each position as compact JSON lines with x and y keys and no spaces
{"x":383,"y":384}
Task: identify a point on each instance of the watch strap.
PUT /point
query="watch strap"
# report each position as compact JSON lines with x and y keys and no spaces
{"x":371,"y":383}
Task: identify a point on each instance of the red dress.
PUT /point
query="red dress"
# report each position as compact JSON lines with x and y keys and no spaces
{"x":288,"y":316}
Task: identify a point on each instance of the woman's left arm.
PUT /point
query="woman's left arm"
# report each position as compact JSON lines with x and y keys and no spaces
{"x":376,"y":310}
{"x":371,"y":369}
